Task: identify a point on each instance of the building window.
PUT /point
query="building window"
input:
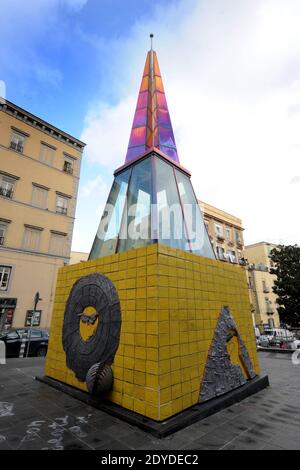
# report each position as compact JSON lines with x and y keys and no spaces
{"x":17,"y":142}
{"x":265,"y":287}
{"x":3,"y":228}
{"x":7,"y":186}
{"x":62,"y":205}
{"x":39,"y":196}
{"x":32,"y":239}
{"x":228,"y":233}
{"x":68,"y":165}
{"x":57,"y":244}
{"x":232,"y":256}
{"x":269,"y":307}
{"x":5,"y":273}
{"x":47,"y":154}
{"x":219,"y":230}
{"x":237,"y":237}
{"x":220,"y":252}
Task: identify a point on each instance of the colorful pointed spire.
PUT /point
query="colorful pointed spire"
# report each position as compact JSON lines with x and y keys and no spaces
{"x":151,"y":124}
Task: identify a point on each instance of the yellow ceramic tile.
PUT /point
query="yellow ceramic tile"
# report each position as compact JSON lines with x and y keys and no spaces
{"x":170,"y":303}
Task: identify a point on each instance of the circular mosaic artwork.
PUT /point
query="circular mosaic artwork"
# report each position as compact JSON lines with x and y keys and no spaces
{"x":93,"y":303}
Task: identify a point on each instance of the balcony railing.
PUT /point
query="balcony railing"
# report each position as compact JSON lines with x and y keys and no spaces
{"x":5,"y":192}
{"x":17,"y":146}
{"x":266,"y":290}
{"x":62,"y":210}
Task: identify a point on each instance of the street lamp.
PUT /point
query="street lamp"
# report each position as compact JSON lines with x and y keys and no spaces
{"x":36,"y":300}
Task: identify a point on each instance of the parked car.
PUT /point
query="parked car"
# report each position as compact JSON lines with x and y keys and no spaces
{"x":38,"y":344}
{"x":264,"y":341}
{"x":295,"y":344}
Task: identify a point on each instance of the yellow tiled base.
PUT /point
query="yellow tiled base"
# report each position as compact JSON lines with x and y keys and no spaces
{"x":170,"y":303}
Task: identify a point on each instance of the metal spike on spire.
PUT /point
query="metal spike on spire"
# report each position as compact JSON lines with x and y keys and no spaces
{"x":151,"y":40}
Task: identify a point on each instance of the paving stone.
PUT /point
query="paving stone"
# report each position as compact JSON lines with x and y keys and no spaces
{"x":267,"y":420}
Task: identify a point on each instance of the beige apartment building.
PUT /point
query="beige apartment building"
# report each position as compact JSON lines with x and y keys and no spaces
{"x":78,"y":257}
{"x":225,"y":232}
{"x":263,"y":300}
{"x":39,"y":176}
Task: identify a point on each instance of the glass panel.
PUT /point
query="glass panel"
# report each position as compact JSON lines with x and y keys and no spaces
{"x":166,"y":137}
{"x":159,"y":84}
{"x":161,"y":100}
{"x":197,"y":233}
{"x":135,"y":152}
{"x":144,"y":84}
{"x":171,"y":230}
{"x":2,"y":231}
{"x":138,"y":136}
{"x":17,"y":142}
{"x":163,"y":117}
{"x":140,"y":117}
{"x":136,"y":226}
{"x":106,"y":238}
{"x":61,"y":205}
{"x":156,"y":66}
{"x":142,"y":100}
{"x":4,"y":277}
{"x":170,"y":152}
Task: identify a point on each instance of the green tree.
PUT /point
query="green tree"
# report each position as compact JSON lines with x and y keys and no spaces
{"x":286,"y":261}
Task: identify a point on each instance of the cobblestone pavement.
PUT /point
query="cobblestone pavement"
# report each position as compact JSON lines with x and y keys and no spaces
{"x":36,"y":416}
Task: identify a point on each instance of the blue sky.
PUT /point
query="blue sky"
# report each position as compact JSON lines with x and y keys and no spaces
{"x":232,"y":77}
{"x":62,"y":53}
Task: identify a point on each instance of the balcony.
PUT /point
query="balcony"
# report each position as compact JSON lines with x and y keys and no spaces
{"x":266,"y":290}
{"x":61,"y":210}
{"x":5,"y":192}
{"x":220,"y":237}
{"x":17,"y":146}
{"x":2,"y":241}
{"x":68,"y":168}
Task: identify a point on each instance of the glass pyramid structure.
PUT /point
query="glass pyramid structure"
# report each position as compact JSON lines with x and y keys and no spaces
{"x":152,"y":199}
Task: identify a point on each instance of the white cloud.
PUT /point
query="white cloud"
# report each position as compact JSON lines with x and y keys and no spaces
{"x":295,"y":180}
{"x":106,"y":130}
{"x":96,"y":186}
{"x":231,"y":74}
